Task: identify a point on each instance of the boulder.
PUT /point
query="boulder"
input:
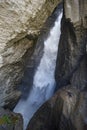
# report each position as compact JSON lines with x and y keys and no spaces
{"x":66,"y":110}
{"x":10,"y":120}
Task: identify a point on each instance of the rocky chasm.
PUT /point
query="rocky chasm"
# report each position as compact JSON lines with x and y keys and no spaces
{"x":20,"y":24}
{"x":43,"y":85}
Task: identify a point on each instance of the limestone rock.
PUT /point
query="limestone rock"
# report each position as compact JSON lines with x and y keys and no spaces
{"x":76,"y":11}
{"x":18,"y":18}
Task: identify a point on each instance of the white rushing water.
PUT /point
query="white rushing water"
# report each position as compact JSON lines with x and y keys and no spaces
{"x":44,"y":81}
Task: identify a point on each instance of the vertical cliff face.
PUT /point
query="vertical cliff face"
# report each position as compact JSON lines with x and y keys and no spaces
{"x":71,"y":63}
{"x":20,"y":23}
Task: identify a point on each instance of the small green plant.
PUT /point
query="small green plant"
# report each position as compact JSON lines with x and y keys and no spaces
{"x":8,"y":120}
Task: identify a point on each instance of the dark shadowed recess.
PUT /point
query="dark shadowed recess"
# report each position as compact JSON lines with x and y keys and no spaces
{"x":71,"y":66}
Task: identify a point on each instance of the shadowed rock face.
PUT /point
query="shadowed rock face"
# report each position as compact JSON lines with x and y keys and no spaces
{"x":65,"y":111}
{"x":72,"y":67}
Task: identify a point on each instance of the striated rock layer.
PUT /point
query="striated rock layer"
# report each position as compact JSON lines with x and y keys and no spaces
{"x":20,"y":23}
{"x":72,"y":58}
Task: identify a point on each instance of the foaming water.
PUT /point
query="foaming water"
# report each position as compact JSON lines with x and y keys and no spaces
{"x":44,"y":81}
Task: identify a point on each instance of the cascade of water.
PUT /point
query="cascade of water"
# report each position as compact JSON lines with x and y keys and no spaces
{"x":44,"y":81}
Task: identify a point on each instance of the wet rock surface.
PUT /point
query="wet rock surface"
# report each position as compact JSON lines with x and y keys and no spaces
{"x":66,"y":110}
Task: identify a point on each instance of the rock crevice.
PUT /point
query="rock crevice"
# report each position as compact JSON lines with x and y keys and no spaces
{"x":71,"y":68}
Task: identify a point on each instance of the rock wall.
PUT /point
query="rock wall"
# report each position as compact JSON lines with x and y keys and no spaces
{"x":66,"y":110}
{"x":72,"y":59}
{"x":20,"y":23}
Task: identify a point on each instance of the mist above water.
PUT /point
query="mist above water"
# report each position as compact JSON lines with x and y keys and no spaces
{"x":44,"y":81}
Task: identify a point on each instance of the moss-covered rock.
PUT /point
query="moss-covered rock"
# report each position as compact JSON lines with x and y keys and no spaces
{"x":10,"y":120}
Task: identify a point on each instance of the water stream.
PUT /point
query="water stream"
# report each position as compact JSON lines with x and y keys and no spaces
{"x":44,"y":81}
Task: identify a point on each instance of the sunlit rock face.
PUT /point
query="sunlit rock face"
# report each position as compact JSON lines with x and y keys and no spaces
{"x":18,"y":19}
{"x":72,"y":67}
{"x":76,"y":11}
{"x":66,"y":110}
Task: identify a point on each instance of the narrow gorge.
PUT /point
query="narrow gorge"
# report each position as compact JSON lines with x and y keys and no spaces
{"x":43,"y":81}
{"x":43,"y":65}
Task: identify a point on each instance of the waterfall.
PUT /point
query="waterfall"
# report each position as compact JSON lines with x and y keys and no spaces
{"x":44,"y":81}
